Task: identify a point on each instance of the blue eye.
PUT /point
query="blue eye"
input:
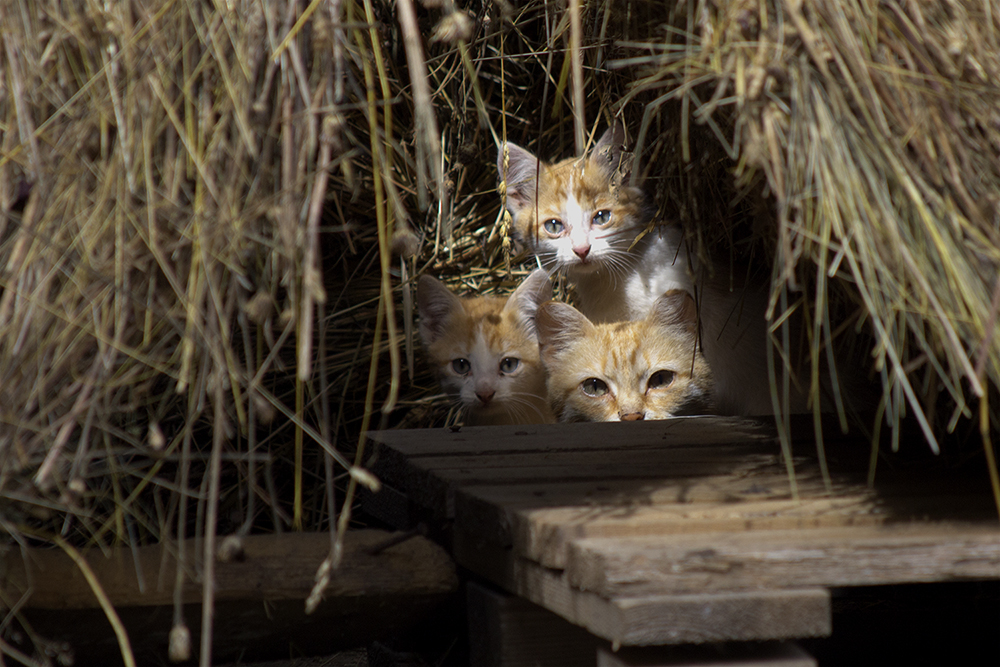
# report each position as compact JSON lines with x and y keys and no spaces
{"x":554,"y":227}
{"x":602,"y":217}
{"x":594,"y":387}
{"x":509,"y":364}
{"x":461,"y":366}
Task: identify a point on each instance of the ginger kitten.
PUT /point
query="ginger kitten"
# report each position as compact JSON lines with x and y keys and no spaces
{"x":485,"y":352}
{"x":579,"y":216}
{"x":624,"y":371}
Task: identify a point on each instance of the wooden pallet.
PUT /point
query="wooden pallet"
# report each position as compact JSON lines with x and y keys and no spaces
{"x":683,"y":531}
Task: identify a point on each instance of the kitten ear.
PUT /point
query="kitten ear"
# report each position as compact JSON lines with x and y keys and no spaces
{"x":435,"y":303}
{"x":521,"y":176}
{"x":675,"y":308}
{"x":608,"y":150}
{"x":535,"y":290}
{"x":558,"y":325}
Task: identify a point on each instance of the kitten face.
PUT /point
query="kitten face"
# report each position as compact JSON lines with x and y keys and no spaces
{"x":624,"y":371}
{"x":485,"y":351}
{"x":576,"y":214}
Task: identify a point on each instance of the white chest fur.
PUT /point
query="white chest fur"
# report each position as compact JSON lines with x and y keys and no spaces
{"x":655,"y":265}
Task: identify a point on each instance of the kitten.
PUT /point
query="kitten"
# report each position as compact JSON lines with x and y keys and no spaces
{"x":485,"y":352}
{"x":579,"y":216}
{"x":624,"y":371}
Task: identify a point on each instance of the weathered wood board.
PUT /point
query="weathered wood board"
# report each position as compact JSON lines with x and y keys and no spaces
{"x":636,"y":531}
{"x":642,"y":620}
{"x":259,"y":597}
{"x":270,"y":567}
{"x":770,"y":654}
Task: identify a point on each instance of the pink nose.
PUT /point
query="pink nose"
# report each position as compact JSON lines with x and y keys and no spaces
{"x":632,"y":417}
{"x":485,"y":396}
{"x":582,"y":252}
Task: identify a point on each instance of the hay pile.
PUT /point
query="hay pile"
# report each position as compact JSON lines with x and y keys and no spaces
{"x":877,"y":126}
{"x":210,"y":214}
{"x":162,"y":185}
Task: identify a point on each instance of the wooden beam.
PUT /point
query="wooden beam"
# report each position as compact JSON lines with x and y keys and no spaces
{"x":272,"y":567}
{"x":541,"y":521}
{"x":755,"y":654}
{"x":260,"y":599}
{"x":651,"y":620}
{"x":685,"y":431}
{"x":737,"y":561}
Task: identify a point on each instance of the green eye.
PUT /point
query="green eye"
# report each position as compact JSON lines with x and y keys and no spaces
{"x":461,"y":366}
{"x":660,"y":379}
{"x":602,"y":218}
{"x":594,"y":387}
{"x":554,"y":227}
{"x":509,"y":364}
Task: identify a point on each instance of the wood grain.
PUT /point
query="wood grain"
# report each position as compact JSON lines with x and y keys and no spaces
{"x":772,"y":560}
{"x":430,"y":465}
{"x":686,"y":431}
{"x":688,"y":530}
{"x":541,"y":520}
{"x":274,"y":567}
{"x":659,"y":619}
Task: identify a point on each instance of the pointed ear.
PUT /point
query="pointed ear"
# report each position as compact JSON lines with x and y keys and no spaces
{"x":675,"y":308}
{"x":608,"y":150}
{"x":435,"y":303}
{"x":557,"y":325}
{"x":535,"y":290}
{"x":521,"y":176}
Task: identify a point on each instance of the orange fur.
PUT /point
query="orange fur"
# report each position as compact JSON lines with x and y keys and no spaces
{"x":580,"y":216}
{"x":486,"y":333}
{"x":629,"y":361}
{"x":589,"y":181}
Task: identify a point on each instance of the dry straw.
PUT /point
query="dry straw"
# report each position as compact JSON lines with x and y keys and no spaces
{"x":211,"y":214}
{"x":877,"y":126}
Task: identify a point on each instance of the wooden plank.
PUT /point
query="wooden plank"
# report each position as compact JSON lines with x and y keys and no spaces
{"x":682,"y":431}
{"x":508,"y":631}
{"x":734,"y":561}
{"x":623,"y":530}
{"x":428,"y":465}
{"x":767,"y":654}
{"x":272,"y":567}
{"x":431,"y":481}
{"x":540,"y":520}
{"x":713,"y":617}
{"x":259,"y":600}
{"x":651,"y":620}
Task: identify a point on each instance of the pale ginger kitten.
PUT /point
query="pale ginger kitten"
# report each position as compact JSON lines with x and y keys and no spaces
{"x":624,"y":371}
{"x":579,"y":216}
{"x":485,"y":352}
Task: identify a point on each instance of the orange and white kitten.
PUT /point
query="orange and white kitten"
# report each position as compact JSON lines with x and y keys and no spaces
{"x":485,"y":351}
{"x":624,"y":371}
{"x":580,"y":217}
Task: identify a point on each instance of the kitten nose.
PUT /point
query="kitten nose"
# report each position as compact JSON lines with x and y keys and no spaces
{"x":632,"y":417}
{"x":485,"y":396}
{"x":582,"y":251}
